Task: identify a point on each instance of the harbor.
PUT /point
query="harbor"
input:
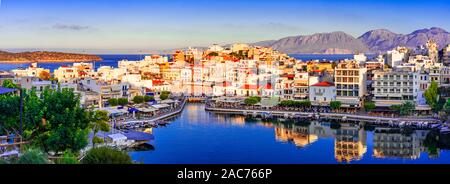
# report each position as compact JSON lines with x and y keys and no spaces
{"x":217,"y":136}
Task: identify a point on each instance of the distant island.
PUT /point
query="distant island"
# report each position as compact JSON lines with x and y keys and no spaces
{"x":45,"y":56}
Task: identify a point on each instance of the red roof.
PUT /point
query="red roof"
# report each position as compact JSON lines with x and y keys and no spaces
{"x":248,"y":86}
{"x":157,"y":82}
{"x":82,"y":73}
{"x":324,"y":84}
{"x":226,"y":84}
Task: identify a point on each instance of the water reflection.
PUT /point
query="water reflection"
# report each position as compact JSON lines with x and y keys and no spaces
{"x":197,"y":136}
{"x":350,"y":140}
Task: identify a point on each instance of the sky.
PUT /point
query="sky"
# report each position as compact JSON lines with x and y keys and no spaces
{"x":120,"y":26}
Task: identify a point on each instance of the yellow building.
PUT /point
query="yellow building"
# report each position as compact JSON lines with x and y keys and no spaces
{"x":299,"y":135}
{"x":314,"y":66}
{"x":350,"y":143}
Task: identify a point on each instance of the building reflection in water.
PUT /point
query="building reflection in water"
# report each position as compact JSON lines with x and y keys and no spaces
{"x":349,"y":143}
{"x":399,"y":143}
{"x":350,"y":140}
{"x":301,"y":135}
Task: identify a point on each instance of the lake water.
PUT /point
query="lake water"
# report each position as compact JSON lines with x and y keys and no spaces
{"x":200,"y":137}
{"x":112,"y":60}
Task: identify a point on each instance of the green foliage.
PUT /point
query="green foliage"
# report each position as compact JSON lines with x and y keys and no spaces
{"x":432,"y":96}
{"x":122,"y":101}
{"x":406,"y":109}
{"x":252,"y":100}
{"x":292,"y":103}
{"x":67,"y":158}
{"x":165,"y":95}
{"x":113,"y":102}
{"x":9,"y":113}
{"x":9,"y":84}
{"x":369,"y":106}
{"x":3,"y":162}
{"x":335,"y":104}
{"x":149,"y":98}
{"x":138,"y":99}
{"x":99,"y":122}
{"x":97,"y":140}
{"x":33,"y":156}
{"x":447,"y":106}
{"x":105,"y":155}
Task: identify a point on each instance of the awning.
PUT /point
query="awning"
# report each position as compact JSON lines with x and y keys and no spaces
{"x":161,"y":106}
{"x":6,"y":90}
{"x":169,"y":101}
{"x":151,"y":109}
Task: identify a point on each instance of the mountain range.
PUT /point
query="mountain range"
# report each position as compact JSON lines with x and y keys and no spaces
{"x":374,"y":41}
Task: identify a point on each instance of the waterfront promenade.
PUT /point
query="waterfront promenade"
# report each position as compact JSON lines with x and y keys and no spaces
{"x":325,"y":116}
{"x":163,"y":116}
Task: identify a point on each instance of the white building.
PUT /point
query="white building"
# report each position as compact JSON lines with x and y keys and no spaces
{"x":322,"y":93}
{"x":395,"y":58}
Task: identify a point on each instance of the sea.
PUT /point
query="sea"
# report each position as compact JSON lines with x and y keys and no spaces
{"x":112,"y":60}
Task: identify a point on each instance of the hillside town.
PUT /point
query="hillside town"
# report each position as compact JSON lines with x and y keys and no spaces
{"x":241,"y":71}
{"x":403,"y":87}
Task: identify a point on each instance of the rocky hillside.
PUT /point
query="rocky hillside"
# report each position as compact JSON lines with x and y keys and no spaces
{"x":382,"y":40}
{"x":43,"y":56}
{"x":379,"y":40}
{"x":320,"y":43}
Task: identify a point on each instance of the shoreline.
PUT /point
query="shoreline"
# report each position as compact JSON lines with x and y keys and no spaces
{"x":322,"y":116}
{"x":48,"y":61}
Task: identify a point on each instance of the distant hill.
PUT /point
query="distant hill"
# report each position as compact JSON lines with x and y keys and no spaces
{"x":44,"y":56}
{"x":382,"y":40}
{"x":320,"y":43}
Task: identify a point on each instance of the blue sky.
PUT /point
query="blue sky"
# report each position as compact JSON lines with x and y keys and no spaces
{"x":162,"y":24}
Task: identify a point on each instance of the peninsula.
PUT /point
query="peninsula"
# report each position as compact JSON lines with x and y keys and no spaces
{"x":45,"y":56}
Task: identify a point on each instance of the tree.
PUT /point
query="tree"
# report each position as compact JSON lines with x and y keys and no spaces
{"x":65,"y":125}
{"x":250,"y":101}
{"x":113,"y":102}
{"x":9,"y":113}
{"x":405,"y":109}
{"x":44,"y":75}
{"x":138,"y":99}
{"x":432,"y":96}
{"x":33,"y":156}
{"x":369,"y":106}
{"x":9,"y":84}
{"x":105,"y":155}
{"x":149,"y":98}
{"x":335,"y":105}
{"x":99,"y":122}
{"x":122,"y":101}
{"x":67,"y":158}
{"x":164,"y":95}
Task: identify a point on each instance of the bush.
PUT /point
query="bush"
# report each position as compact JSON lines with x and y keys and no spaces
{"x":105,"y":155}
{"x":369,"y":106}
{"x":292,"y":103}
{"x":149,"y":98}
{"x":165,"y":95}
{"x":3,"y":162}
{"x":138,"y":99}
{"x":122,"y":101}
{"x":251,"y":100}
{"x":335,"y":104}
{"x":113,"y":102}
{"x":67,"y":158}
{"x":33,"y":156}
